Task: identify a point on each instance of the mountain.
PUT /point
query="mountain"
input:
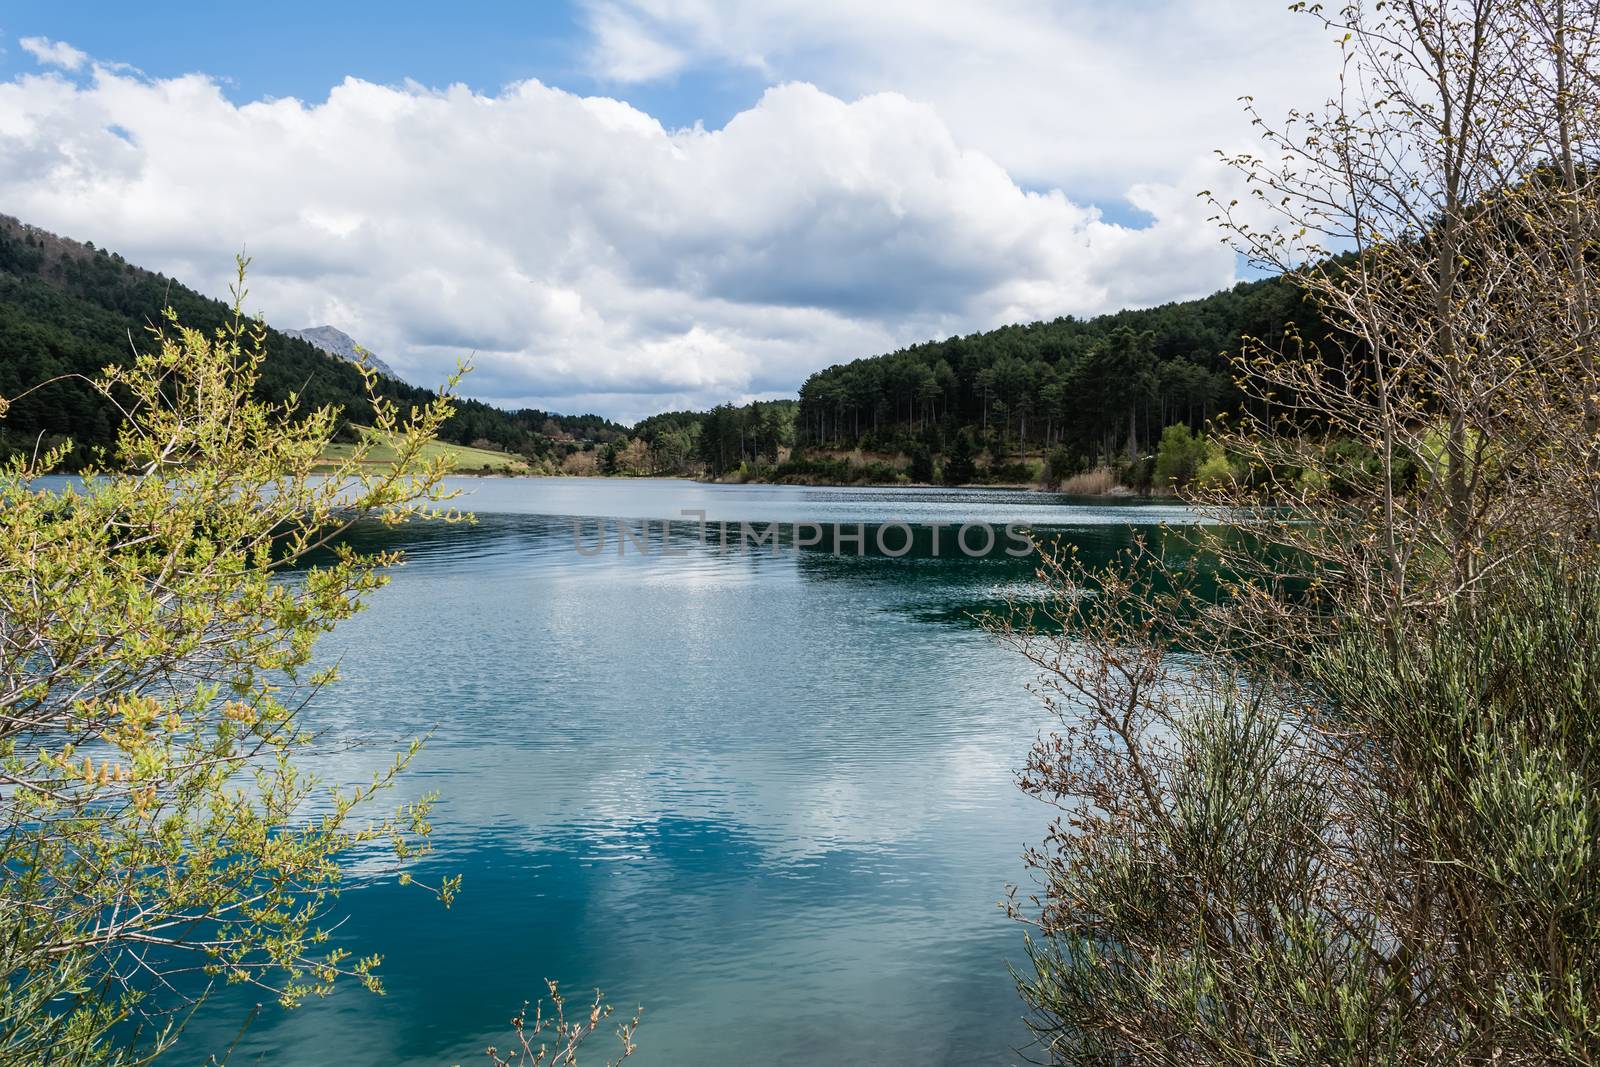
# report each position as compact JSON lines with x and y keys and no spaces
{"x":336,"y":342}
{"x":69,"y":309}
{"x":1096,"y":389}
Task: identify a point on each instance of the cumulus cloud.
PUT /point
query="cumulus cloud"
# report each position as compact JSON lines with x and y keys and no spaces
{"x":1089,"y":96}
{"x":54,"y":53}
{"x":583,"y":254}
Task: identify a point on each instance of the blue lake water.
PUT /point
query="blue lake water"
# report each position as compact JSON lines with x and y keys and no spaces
{"x":769,"y":797}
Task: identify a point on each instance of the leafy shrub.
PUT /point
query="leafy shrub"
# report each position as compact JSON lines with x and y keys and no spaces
{"x":961,"y":466}
{"x":1137,"y":474}
{"x":1060,"y":465}
{"x":1215,"y":469}
{"x":1416,"y":807}
{"x":1178,"y":457}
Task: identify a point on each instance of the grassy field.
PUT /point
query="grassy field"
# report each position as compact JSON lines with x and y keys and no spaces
{"x":463,"y":459}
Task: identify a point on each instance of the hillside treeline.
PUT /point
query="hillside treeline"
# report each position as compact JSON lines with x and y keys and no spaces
{"x":983,"y":407}
{"x":1018,"y":403}
{"x":1096,"y":387}
{"x":71,"y":309}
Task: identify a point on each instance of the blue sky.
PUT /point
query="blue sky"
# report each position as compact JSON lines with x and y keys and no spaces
{"x":861,"y":176}
{"x":301,"y":49}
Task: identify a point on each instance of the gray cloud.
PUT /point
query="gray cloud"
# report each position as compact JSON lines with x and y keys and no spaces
{"x":1089,"y":96}
{"x":579,"y":248}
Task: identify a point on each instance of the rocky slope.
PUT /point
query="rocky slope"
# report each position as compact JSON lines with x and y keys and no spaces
{"x":338,"y":343}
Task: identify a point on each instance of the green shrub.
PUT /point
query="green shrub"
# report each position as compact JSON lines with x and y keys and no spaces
{"x":1060,"y":465}
{"x":1178,"y":457}
{"x":961,"y":466}
{"x":1215,"y":469}
{"x":154,"y":821}
{"x":1011,"y":472}
{"x":1270,"y":869}
{"x":1137,"y":474}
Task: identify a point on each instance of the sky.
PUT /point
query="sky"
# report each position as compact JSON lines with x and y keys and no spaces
{"x":630,"y":206}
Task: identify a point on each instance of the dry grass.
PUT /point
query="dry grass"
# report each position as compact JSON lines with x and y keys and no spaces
{"x":1097,"y":482}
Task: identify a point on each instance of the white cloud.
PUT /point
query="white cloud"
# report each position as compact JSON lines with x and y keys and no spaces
{"x":54,"y":53}
{"x":1081,"y":94}
{"x":586,"y":255}
{"x":626,"y":50}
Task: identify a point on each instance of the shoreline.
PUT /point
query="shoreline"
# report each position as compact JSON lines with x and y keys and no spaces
{"x":1121,"y":492}
{"x":1115,"y":492}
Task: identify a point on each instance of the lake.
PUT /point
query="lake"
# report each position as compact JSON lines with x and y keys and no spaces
{"x":769,"y":796}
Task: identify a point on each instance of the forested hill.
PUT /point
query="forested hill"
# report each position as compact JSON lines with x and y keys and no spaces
{"x":70,"y":308}
{"x":1086,"y":390}
{"x":988,"y":407}
{"x":1095,"y":387}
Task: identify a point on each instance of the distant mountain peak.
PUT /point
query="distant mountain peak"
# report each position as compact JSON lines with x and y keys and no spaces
{"x":336,"y":342}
